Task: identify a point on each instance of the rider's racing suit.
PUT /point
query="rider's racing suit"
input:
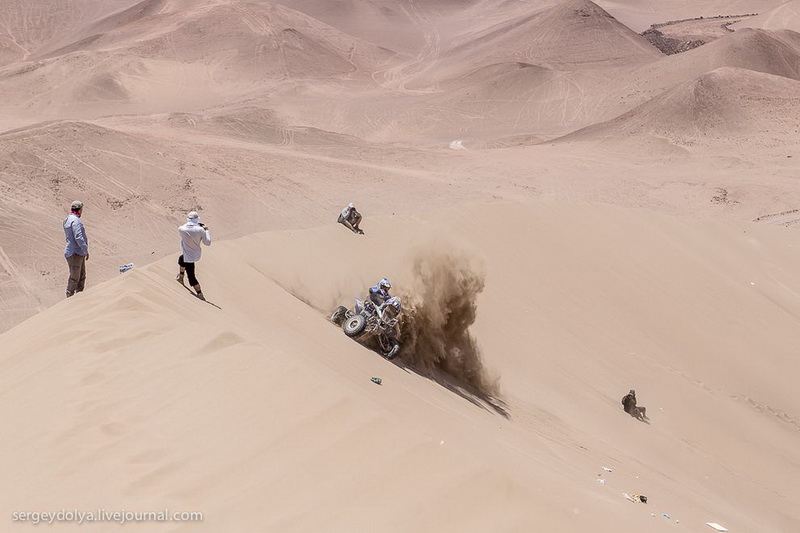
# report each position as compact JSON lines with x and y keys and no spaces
{"x":378,"y":295}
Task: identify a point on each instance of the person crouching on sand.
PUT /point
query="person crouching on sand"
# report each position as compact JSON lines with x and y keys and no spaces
{"x":630,"y":407}
{"x":192,"y":233}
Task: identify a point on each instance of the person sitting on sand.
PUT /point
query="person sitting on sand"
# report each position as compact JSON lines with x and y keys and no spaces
{"x":630,"y":407}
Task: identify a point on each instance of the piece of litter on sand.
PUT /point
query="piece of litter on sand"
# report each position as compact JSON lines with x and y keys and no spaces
{"x":665,"y":515}
{"x":124,"y":268}
{"x":601,"y":481}
{"x":714,"y":525}
{"x":636,"y":498}
{"x":376,"y":381}
{"x":606,"y":469}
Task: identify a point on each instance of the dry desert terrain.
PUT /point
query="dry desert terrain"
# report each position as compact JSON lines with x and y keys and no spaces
{"x":566,"y":211}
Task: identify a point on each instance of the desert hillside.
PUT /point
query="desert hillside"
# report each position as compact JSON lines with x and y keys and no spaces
{"x":566,"y":212}
{"x":254,"y":395}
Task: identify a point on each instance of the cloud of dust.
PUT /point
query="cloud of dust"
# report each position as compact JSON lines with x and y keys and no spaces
{"x":438,"y":310}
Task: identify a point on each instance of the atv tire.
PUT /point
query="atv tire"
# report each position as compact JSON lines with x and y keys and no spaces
{"x":355,"y":325}
{"x":337,"y":317}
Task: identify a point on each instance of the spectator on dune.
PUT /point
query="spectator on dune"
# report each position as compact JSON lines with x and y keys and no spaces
{"x":630,"y":407}
{"x":351,"y":218}
{"x":193,"y":233}
{"x":77,"y":249}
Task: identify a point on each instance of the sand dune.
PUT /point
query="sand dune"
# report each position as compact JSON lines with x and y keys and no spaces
{"x":282,"y":382}
{"x":518,"y":98}
{"x":161,"y":56}
{"x":262,"y":126}
{"x":775,"y":53}
{"x":604,"y":94}
{"x":527,"y":99}
{"x":639,"y":16}
{"x":727,"y":105}
{"x":88,"y":85}
{"x":569,"y":35}
{"x":388,"y":24}
{"x":566,"y":213}
{"x":771,"y":52}
{"x":28,"y":27}
{"x":587,"y":35}
{"x":784,"y":16}
{"x":262,"y":40}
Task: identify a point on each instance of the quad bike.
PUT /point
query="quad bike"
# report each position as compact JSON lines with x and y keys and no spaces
{"x":367,"y":320}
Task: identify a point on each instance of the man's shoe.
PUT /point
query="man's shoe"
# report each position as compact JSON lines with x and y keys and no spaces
{"x":200,"y":295}
{"x":179,"y":278}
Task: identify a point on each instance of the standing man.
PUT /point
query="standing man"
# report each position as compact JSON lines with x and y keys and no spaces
{"x":351,"y":218}
{"x":77,"y":250}
{"x":193,"y":233}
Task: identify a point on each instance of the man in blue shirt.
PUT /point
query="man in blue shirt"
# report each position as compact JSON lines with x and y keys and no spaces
{"x":77,"y":249}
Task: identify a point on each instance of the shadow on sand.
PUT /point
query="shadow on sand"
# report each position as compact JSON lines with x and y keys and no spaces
{"x":201,"y":299}
{"x":639,"y":414}
{"x":469,"y":393}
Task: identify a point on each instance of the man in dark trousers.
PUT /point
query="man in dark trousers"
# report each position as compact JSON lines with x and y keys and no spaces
{"x":77,"y":249}
{"x":193,"y":233}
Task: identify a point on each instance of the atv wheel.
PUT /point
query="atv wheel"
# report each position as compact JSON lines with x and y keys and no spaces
{"x":354,"y":325}
{"x":338,"y":315}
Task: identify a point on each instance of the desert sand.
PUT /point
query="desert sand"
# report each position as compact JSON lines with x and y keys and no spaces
{"x":566,"y":212}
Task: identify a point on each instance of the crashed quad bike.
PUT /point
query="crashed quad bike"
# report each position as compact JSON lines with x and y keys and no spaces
{"x":368,"y":321}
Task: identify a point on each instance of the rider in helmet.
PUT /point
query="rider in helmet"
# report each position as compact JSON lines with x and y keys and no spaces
{"x":378,"y":294}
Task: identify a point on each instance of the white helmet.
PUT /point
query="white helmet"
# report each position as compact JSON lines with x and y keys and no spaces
{"x":385,"y":284}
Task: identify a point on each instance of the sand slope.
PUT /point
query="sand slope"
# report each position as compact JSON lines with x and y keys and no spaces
{"x":639,"y":16}
{"x":726,"y":105}
{"x":163,"y":56}
{"x":784,"y":16}
{"x":775,"y":53}
{"x":28,"y":27}
{"x":632,"y":226}
{"x":276,"y":403}
{"x":569,"y":35}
